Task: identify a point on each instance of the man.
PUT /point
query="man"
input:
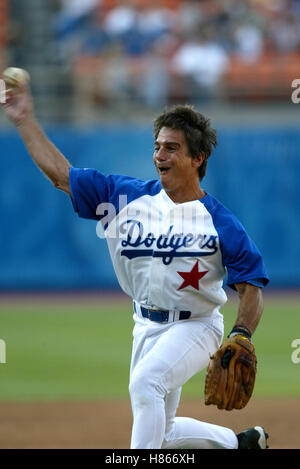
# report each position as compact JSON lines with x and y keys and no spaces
{"x":171,"y":244}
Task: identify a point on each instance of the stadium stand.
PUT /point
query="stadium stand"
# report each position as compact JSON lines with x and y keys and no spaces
{"x":3,"y":30}
{"x":103,"y":54}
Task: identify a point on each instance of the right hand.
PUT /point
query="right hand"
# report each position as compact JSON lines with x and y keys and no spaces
{"x":18,"y":106}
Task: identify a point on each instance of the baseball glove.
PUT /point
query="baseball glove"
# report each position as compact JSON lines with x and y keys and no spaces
{"x":230,"y":375}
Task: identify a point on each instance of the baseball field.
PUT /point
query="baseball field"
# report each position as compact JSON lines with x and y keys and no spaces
{"x":65,"y":380}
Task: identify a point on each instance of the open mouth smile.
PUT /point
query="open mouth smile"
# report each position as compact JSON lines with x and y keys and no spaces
{"x":163,"y":170}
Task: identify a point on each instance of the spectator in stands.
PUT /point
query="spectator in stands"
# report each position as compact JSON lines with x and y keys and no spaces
{"x":120,"y":20}
{"x":190,"y":16}
{"x":155,"y":20}
{"x":138,"y":25}
{"x":71,"y":25}
{"x":285,"y":33}
{"x":154,"y":80}
{"x":72,"y":15}
{"x":249,"y":42}
{"x":201,"y":63}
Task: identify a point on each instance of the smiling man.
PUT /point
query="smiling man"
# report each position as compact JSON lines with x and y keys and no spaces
{"x":172,"y":244}
{"x":181,"y":152}
{"x":178,"y":172}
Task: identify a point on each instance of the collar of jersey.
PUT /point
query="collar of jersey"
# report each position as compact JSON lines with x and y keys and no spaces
{"x":170,"y":202}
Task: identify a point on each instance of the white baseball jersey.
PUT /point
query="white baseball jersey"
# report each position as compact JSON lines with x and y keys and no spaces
{"x":171,"y":257}
{"x":167,"y":256}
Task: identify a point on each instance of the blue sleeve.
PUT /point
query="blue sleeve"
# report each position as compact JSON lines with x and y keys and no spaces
{"x":90,"y":188}
{"x":240,"y":255}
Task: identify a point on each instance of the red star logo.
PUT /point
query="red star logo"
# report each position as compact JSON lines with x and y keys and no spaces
{"x":192,"y":278}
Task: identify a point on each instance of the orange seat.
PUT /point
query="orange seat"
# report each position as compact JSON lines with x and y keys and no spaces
{"x":270,"y":77}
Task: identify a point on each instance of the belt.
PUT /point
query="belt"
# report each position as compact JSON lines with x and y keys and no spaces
{"x":162,"y":316}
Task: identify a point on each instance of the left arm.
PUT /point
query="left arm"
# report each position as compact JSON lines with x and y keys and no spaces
{"x":250,"y":306}
{"x":231,"y":371}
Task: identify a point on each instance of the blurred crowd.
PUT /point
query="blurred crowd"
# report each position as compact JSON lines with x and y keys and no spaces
{"x":157,"y":51}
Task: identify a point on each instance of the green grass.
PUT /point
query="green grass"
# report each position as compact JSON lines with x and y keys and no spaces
{"x":65,"y":352}
{"x":79,"y":351}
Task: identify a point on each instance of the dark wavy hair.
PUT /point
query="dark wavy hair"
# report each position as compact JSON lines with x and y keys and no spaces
{"x":200,"y":137}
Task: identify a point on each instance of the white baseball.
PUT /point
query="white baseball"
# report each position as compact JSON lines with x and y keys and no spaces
{"x":14,"y":76}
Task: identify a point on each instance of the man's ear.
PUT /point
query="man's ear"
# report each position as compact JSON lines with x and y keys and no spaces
{"x":198,"y":160}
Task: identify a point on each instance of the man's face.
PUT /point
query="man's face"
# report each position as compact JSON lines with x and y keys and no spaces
{"x":176,"y":168}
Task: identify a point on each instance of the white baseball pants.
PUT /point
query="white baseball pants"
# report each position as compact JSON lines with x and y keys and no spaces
{"x":164,"y":357}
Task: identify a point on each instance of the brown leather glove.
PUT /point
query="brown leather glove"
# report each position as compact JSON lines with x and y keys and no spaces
{"x":231,"y":373}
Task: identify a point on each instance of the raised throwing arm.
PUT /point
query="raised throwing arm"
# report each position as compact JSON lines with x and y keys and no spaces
{"x":19,"y":109}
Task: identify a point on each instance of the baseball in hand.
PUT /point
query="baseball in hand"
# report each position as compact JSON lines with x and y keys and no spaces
{"x":14,"y":76}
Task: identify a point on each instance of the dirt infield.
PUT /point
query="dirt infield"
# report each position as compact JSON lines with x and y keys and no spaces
{"x":107,"y":424}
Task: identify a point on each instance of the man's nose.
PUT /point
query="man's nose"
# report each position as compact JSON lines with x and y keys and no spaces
{"x":161,"y":155}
